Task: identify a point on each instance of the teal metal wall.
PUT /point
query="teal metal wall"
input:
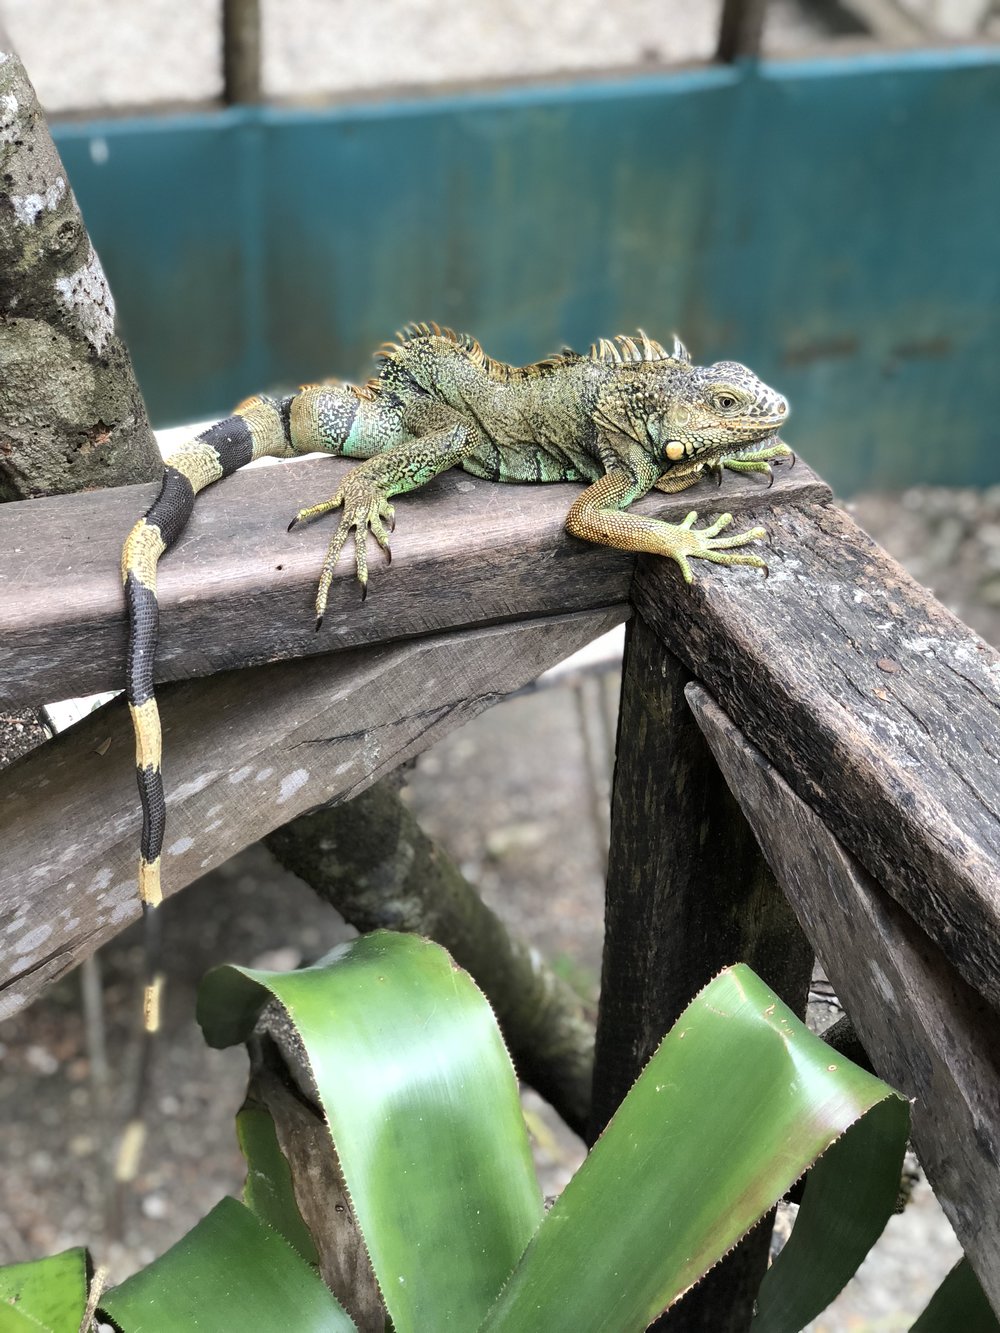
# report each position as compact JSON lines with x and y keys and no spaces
{"x":836,"y":224}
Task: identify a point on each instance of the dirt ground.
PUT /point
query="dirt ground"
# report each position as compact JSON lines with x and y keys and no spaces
{"x":504,"y":795}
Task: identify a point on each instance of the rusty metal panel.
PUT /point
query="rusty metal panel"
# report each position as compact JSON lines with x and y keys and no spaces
{"x":832,"y":222}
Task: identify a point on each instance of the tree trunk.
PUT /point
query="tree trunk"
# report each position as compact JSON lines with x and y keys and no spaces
{"x":71,"y":414}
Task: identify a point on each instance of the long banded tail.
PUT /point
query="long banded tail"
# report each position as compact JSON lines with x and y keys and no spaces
{"x":259,"y":427}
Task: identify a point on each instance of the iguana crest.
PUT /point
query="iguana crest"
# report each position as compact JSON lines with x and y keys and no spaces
{"x":620,"y":350}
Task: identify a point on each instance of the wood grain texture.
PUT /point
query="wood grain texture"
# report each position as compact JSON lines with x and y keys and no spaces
{"x":244,"y":752}
{"x":238,"y":590}
{"x":927,"y":1032}
{"x":877,"y":706}
{"x":688,"y":893}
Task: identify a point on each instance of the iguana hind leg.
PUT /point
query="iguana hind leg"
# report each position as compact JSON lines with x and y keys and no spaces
{"x":597,"y":516}
{"x":364,"y":496}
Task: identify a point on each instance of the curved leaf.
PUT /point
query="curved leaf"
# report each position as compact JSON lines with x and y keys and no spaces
{"x":44,"y":1295}
{"x":958,"y":1303}
{"x":268,"y":1191}
{"x":422,"y":1102}
{"x":850,"y":1194}
{"x":738,"y":1100}
{"x":230,"y":1274}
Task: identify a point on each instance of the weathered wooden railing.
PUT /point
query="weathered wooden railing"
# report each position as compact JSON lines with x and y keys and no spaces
{"x":856,"y":721}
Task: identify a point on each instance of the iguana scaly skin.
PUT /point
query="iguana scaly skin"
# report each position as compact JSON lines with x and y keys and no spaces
{"x":624,"y":418}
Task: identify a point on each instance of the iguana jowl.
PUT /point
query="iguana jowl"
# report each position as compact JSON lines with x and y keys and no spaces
{"x":626,"y":417}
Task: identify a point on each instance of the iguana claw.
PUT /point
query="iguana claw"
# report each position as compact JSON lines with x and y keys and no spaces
{"x":366,"y":509}
{"x":683,"y":542}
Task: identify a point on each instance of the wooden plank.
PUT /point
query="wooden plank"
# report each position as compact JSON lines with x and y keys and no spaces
{"x":688,"y":893}
{"x":238,"y":589}
{"x":927,"y":1032}
{"x":876,"y":705}
{"x":243,"y":752}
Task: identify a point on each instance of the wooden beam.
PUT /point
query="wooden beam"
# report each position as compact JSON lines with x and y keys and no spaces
{"x":238,"y":589}
{"x":243,"y":752}
{"x":688,"y":893}
{"x":877,"y":706}
{"x":926,"y":1031}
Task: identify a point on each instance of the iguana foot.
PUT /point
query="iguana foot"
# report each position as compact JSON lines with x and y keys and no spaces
{"x":754,"y":460}
{"x":366,"y":509}
{"x":683,"y":542}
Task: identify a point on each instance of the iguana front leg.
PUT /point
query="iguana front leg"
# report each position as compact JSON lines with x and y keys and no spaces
{"x":596,"y":516}
{"x":753,"y":460}
{"x":364,"y":495}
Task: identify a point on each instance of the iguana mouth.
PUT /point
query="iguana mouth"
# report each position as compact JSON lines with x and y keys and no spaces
{"x":765,"y":442}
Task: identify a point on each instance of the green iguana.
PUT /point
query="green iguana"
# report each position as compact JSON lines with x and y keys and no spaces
{"x":624,"y":418}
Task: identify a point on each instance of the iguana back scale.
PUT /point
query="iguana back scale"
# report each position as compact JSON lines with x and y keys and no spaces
{"x":626,"y":417}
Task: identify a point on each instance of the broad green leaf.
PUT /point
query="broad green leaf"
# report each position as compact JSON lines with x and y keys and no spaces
{"x":958,"y":1303}
{"x":850,"y":1195}
{"x":739,"y":1100}
{"x":230,"y":1274}
{"x":422,"y":1102}
{"x":47,"y":1295}
{"x":268,"y":1191}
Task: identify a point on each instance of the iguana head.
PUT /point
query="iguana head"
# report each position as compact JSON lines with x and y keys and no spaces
{"x":680,"y":414}
{"x":708,"y":411}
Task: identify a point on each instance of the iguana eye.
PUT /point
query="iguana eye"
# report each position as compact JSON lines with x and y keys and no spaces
{"x":725,"y":401}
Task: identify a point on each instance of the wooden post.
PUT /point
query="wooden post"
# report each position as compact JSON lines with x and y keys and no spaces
{"x":741,"y":28}
{"x":241,"y":51}
{"x":688,"y":893}
{"x":928,"y":1033}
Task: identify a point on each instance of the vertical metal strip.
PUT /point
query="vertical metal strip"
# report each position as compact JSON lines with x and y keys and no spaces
{"x":242,"y":79}
{"x":741,"y":28}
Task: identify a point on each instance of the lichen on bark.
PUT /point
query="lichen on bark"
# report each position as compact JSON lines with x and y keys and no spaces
{"x":71,"y":413}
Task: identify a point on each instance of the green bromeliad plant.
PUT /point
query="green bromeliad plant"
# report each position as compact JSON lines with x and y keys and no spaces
{"x":421,"y":1109}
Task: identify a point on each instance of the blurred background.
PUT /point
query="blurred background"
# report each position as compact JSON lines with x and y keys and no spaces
{"x":820,"y":203}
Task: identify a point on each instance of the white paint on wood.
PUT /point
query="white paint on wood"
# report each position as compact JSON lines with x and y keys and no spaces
{"x":294,"y":782}
{"x":193,"y":786}
{"x":30,"y":942}
{"x":356,"y":716}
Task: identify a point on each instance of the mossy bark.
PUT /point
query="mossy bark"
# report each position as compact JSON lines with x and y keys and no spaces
{"x":71,"y":413}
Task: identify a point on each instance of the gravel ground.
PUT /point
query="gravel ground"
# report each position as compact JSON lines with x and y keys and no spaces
{"x":505,"y":796}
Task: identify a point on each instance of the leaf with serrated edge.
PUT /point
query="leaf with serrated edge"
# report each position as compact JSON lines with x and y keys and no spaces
{"x":268,"y":1191}
{"x":958,"y":1303}
{"x":229,"y":1274}
{"x":423,"y":1107}
{"x":738,"y":1100}
{"x":44,"y":1295}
